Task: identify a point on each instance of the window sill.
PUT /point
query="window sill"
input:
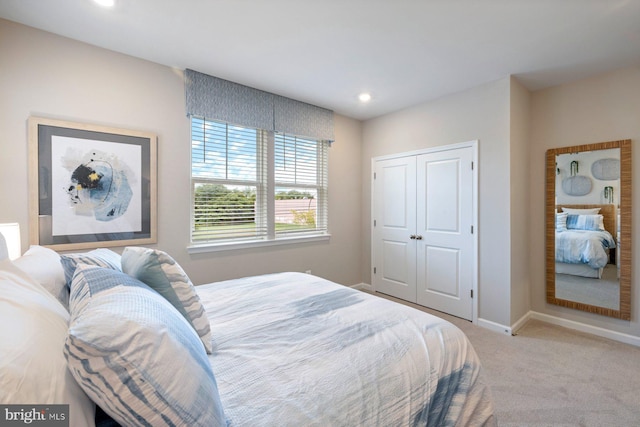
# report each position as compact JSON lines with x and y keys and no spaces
{"x":231,"y":246}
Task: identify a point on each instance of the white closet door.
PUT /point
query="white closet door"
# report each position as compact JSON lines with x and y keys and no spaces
{"x":445,"y":244}
{"x":394,"y":211}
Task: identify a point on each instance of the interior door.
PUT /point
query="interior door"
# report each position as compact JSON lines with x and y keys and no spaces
{"x":394,"y":211}
{"x":445,"y":243}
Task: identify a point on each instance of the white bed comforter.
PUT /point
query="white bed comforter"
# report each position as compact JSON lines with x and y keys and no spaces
{"x":292,"y":349}
{"x":584,"y":246}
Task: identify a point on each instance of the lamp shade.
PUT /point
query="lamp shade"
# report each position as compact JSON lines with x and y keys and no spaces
{"x":11,"y":234}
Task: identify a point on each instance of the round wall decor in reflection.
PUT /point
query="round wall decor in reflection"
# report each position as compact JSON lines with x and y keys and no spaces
{"x":578,"y":185}
{"x":606,"y":169}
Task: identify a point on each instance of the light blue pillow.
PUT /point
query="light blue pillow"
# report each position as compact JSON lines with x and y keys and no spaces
{"x":98,"y":257}
{"x":135,"y":355}
{"x":585,"y":222}
{"x":561,"y":221}
{"x":164,"y":275}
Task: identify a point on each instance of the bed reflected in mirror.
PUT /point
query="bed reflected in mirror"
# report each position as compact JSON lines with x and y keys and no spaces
{"x":586,"y":249}
{"x":588,"y":227}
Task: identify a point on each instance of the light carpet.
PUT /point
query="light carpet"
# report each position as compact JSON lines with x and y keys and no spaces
{"x":548,"y":375}
{"x":604,"y":292}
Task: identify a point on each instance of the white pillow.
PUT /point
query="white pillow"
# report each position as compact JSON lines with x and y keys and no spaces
{"x":4,"y":252}
{"x":43,"y":265}
{"x":561,"y":221}
{"x":33,"y":369}
{"x":586,"y":211}
{"x":136,"y":356}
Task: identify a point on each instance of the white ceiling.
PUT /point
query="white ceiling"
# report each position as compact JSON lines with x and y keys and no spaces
{"x":325,"y":52}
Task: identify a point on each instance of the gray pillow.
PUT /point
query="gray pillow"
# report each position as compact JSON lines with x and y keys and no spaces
{"x":163,"y":274}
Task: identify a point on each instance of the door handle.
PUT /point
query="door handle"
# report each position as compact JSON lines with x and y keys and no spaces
{"x":418,"y":237}
{"x":413,"y":237}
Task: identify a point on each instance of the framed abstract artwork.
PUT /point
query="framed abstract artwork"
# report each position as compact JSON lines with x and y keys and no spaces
{"x":91,"y":186}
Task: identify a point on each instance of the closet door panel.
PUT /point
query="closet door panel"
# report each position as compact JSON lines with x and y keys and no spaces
{"x":445,"y":253}
{"x":394,"y":216}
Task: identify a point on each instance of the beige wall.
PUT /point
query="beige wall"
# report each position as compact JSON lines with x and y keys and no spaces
{"x":480,"y":113}
{"x":519,"y":182}
{"x":602,"y":108}
{"x":46,"y":75}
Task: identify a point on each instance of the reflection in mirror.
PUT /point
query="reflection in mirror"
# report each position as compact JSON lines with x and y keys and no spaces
{"x":586,"y":233}
{"x":588,"y":227}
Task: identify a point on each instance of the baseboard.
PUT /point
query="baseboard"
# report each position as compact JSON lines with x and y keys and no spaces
{"x":594,"y":330}
{"x":520,"y":323}
{"x":496,"y":327}
{"x":363,"y":287}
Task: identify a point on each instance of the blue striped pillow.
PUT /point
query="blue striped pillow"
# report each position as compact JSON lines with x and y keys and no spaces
{"x":163,"y":274}
{"x":585,"y":222}
{"x":99,"y":257}
{"x":135,"y":355}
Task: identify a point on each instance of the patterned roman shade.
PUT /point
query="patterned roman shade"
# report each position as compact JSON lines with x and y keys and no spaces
{"x":302,"y":119}
{"x":228,"y":102}
{"x":214,"y":98}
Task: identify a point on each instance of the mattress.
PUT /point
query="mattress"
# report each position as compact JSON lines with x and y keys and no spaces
{"x":582,"y":270}
{"x":294,"y":349}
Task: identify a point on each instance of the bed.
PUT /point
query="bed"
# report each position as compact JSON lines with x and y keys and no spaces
{"x":134,"y":338}
{"x":584,"y":239}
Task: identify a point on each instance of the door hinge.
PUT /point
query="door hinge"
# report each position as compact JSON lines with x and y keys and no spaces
{"x":374,"y":175}
{"x":374,"y":270}
{"x":471,"y":293}
{"x":471,"y":165}
{"x":472,"y":229}
{"x":374,"y":222}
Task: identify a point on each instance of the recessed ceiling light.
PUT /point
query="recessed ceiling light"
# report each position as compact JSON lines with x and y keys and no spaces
{"x":106,"y":3}
{"x":364,"y":97}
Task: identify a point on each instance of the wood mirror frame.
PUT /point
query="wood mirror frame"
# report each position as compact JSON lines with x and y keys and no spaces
{"x":624,"y":311}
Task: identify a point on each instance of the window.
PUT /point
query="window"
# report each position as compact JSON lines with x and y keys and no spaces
{"x":258,"y":182}
{"x":233,"y":200}
{"x":300,"y":185}
{"x":227,"y":175}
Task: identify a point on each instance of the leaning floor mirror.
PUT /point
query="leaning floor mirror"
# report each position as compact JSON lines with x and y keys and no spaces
{"x":588,"y":228}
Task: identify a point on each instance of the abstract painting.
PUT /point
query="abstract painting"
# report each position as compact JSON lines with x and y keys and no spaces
{"x":91,"y":186}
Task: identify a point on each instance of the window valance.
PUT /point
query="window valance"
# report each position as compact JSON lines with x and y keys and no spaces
{"x":219,"y":99}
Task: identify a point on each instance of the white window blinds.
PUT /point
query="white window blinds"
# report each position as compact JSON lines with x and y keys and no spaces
{"x":300,"y":185}
{"x":230,"y":175}
{"x":228,"y":179}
